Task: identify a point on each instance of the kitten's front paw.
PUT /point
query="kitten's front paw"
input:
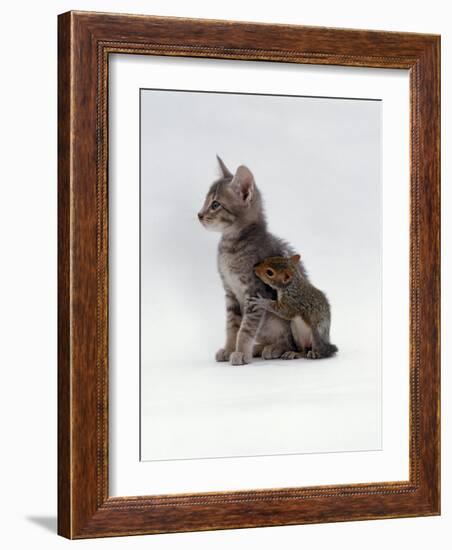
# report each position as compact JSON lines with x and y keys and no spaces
{"x":239,"y":358}
{"x":313,"y":355}
{"x":222,"y":355}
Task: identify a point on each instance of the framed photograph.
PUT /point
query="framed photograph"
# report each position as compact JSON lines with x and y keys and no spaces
{"x":249,"y":275}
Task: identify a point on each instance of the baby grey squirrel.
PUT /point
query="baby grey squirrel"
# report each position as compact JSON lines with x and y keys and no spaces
{"x":298,"y":301}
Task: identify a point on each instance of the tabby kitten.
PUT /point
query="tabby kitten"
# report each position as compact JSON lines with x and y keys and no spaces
{"x":233,"y":207}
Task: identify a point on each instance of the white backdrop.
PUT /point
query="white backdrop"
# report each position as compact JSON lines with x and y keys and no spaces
{"x":28,"y":289}
{"x":317,"y":162}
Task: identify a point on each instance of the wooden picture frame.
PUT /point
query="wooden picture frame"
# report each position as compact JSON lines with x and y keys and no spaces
{"x":85,"y":41}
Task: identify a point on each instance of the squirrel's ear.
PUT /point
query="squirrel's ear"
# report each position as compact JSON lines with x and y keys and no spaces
{"x":224,"y":171}
{"x":243,"y":184}
{"x":295,"y":259}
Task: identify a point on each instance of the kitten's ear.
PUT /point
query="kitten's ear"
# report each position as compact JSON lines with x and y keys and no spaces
{"x":243,"y":184}
{"x":224,"y":171}
{"x":295,"y":259}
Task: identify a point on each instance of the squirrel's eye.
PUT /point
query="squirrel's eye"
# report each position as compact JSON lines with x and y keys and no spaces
{"x":270,"y":272}
{"x":215,"y":205}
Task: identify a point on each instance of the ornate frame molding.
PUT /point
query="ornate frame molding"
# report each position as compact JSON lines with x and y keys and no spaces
{"x":85,"y":42}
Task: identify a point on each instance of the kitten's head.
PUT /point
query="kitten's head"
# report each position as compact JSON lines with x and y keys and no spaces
{"x":277,"y":271}
{"x":233,"y":201}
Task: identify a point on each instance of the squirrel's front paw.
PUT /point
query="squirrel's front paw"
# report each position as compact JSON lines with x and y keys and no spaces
{"x":239,"y":358}
{"x":255,"y":303}
{"x":222,"y":355}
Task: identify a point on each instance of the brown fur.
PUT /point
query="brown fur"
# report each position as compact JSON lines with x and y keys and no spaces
{"x":298,"y":301}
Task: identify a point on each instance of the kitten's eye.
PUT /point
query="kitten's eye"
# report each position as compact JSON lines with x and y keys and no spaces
{"x":270,"y":272}
{"x":215,"y":205}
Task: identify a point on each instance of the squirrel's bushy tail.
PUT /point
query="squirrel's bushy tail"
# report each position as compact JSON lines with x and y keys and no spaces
{"x":329,"y":350}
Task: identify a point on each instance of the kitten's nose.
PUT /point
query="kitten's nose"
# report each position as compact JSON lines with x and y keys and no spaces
{"x":200,"y":216}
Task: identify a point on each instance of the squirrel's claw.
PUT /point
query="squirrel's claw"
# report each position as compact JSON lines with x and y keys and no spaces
{"x":256,"y":302}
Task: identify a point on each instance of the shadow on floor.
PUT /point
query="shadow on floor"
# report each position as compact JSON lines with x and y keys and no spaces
{"x":49,"y":523}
